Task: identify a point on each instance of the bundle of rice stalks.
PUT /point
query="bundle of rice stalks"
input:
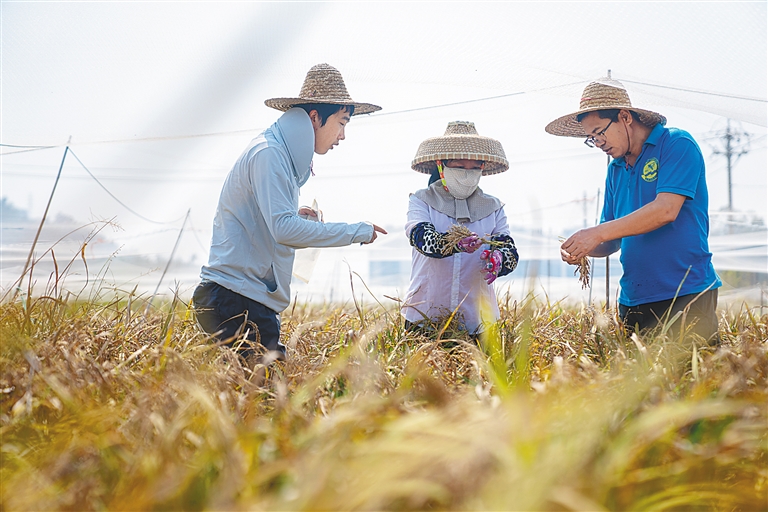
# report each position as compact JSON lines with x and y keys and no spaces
{"x":456,"y":233}
{"x":583,"y":271}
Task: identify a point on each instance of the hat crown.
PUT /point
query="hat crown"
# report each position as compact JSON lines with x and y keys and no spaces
{"x":322,"y":85}
{"x":605,"y":93}
{"x":323,"y":81}
{"x":460,"y":142}
{"x":602,"y":94}
{"x":461,"y":128}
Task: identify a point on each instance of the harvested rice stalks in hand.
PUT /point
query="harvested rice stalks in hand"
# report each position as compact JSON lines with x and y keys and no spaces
{"x":456,"y":233}
{"x":583,"y":271}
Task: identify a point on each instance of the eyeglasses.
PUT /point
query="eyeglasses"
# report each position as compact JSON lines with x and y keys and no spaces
{"x":591,"y":142}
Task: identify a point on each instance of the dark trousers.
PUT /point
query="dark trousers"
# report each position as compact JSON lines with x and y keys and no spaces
{"x":702,"y":313}
{"x":230,"y":316}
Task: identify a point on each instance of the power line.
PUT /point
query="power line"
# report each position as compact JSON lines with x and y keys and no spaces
{"x":174,"y":137}
{"x":251,"y":130}
{"x":708,"y":93}
{"x":583,"y":200}
{"x":29,"y":150}
{"x":376,"y":114}
{"x":185,"y":179}
{"x":144,"y":139}
{"x":220,"y":173}
{"x":27,"y":147}
{"x":234,"y":132}
{"x":115,"y":197}
{"x":197,"y":238}
{"x":519,"y":93}
{"x":170,"y":259}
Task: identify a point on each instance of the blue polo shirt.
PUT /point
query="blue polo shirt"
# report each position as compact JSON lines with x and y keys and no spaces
{"x":675,"y":256}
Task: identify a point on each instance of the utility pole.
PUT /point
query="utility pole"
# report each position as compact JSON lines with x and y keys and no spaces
{"x":733,"y":149}
{"x":607,"y":258}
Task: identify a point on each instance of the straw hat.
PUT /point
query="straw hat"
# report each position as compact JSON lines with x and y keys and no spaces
{"x":323,"y":84}
{"x":461,"y":142}
{"x":602,"y":94}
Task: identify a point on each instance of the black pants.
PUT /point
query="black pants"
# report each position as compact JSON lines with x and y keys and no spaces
{"x":228,"y":314}
{"x":702,"y":311}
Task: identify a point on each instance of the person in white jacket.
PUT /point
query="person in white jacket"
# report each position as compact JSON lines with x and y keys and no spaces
{"x":258,"y":224}
{"x":450,"y":276}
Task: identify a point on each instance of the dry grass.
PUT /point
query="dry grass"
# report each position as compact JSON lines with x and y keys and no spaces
{"x":102,"y":408}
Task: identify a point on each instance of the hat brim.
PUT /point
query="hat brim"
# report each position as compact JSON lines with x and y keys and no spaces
{"x":460,"y":147}
{"x":284,"y":104}
{"x":430,"y":164}
{"x":568,"y":126}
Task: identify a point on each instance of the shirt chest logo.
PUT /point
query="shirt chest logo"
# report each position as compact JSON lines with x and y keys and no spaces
{"x":651,"y":170}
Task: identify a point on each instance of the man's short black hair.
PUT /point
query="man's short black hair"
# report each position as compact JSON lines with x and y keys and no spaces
{"x":609,"y":113}
{"x":326,"y":110}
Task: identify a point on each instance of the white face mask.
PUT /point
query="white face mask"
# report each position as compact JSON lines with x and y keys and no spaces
{"x":461,"y":183}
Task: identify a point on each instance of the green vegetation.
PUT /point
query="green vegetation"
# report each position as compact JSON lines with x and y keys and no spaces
{"x":103,"y":408}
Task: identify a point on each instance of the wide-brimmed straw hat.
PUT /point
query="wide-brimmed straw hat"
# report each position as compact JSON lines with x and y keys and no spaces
{"x":323,"y":84}
{"x":461,"y":142}
{"x":602,"y":94}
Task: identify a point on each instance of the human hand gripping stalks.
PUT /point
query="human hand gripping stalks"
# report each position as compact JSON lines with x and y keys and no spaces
{"x":493,"y":261}
{"x":467,"y":241}
{"x":583,"y":269}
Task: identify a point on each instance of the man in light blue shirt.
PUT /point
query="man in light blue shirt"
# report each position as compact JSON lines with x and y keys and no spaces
{"x":655,"y":210}
{"x":258,"y":224}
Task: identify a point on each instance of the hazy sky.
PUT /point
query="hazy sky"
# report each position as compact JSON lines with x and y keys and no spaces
{"x":136,"y":85}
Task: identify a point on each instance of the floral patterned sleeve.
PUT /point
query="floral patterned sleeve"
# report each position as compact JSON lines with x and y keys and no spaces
{"x":428,"y":241}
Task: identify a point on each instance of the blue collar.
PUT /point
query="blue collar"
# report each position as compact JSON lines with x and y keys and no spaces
{"x":655,"y":134}
{"x":653,"y":138}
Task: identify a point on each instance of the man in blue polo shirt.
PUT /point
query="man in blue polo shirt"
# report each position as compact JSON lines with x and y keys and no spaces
{"x":655,"y":211}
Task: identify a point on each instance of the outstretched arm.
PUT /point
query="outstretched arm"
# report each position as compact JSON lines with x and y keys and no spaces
{"x":605,"y":238}
{"x":433,"y":244}
{"x":272,"y":186}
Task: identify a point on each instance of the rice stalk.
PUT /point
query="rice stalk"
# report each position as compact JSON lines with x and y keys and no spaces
{"x":553,"y":408}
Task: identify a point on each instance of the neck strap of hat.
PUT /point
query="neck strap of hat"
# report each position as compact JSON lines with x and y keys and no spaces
{"x":442,"y":175}
{"x":629,"y":142}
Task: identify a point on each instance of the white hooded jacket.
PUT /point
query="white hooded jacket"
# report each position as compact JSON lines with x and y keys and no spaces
{"x":257,"y":229}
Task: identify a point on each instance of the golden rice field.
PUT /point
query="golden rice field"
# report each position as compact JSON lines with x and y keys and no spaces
{"x":104,"y":408}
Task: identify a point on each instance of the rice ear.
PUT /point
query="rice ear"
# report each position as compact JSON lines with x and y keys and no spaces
{"x":583,"y":271}
{"x":454,"y":235}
